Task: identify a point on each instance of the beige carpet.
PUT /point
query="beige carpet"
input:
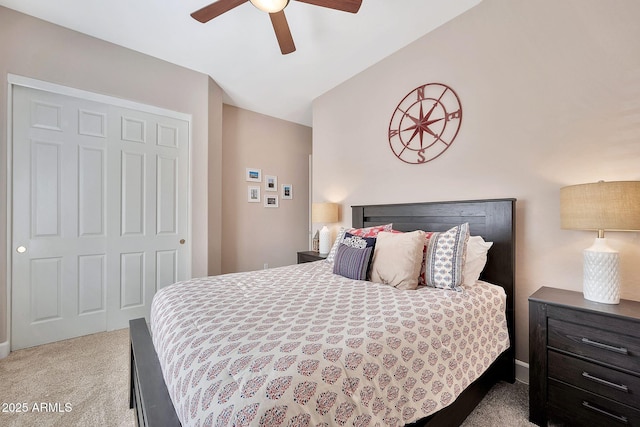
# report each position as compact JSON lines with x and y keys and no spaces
{"x":88,"y":374}
{"x":84,"y":382}
{"x":505,"y":405}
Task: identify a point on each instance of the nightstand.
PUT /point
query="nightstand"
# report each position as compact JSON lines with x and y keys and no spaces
{"x":310,"y":256}
{"x":584,"y":360}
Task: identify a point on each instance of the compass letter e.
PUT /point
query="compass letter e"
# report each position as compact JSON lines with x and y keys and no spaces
{"x":454,"y":115}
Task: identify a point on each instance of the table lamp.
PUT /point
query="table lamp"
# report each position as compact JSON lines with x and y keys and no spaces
{"x":601,"y":206}
{"x":324,"y":213}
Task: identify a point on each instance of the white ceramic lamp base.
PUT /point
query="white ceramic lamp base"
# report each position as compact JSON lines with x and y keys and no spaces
{"x":325,"y":241}
{"x":601,"y":273}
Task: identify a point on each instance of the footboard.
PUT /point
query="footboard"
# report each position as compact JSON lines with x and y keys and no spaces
{"x":148,"y":393}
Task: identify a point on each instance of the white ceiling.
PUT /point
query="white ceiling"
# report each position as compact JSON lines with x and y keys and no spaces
{"x":239,"y":49}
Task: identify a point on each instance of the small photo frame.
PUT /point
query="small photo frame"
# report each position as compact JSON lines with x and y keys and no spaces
{"x":271,"y":183}
{"x":287,"y":191}
{"x":270,"y":201}
{"x":253,"y":175}
{"x":253,"y":194}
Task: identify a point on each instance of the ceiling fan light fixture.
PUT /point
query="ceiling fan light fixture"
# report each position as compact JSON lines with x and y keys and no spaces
{"x":270,"y":6}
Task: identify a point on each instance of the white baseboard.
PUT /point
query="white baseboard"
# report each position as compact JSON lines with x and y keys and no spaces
{"x":5,"y":348}
{"x":522,"y":371}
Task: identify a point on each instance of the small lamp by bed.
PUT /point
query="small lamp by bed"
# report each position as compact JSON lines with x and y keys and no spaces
{"x":601,"y":206}
{"x":324,"y":213}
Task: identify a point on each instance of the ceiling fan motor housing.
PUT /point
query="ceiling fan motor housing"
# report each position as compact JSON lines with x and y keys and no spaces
{"x":275,"y":8}
{"x":270,"y":6}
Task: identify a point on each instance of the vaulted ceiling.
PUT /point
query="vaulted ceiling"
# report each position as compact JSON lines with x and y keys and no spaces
{"x":239,"y":50}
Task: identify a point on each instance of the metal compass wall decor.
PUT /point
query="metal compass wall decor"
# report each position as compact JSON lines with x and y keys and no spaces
{"x":425,"y":123}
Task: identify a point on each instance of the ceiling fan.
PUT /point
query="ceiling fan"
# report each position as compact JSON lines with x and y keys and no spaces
{"x":275,"y":8}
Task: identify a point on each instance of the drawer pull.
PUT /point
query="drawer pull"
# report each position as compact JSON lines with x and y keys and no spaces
{"x":620,"y":418}
{"x":620,"y":387}
{"x":597,"y":344}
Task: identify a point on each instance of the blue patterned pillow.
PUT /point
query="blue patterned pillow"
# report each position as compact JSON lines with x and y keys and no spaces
{"x":446,"y":254}
{"x":367,"y":232}
{"x":352,"y":263}
{"x":354,"y":241}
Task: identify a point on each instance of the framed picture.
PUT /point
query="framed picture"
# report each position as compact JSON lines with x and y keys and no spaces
{"x":271,"y":183}
{"x":270,"y":201}
{"x":254,"y":175}
{"x":253,"y":194}
{"x":287,"y":191}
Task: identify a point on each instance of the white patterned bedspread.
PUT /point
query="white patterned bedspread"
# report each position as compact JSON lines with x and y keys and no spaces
{"x":300,"y":346}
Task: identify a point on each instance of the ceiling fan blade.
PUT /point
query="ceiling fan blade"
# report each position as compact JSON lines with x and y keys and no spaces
{"x":207,"y":13}
{"x":283,"y":33}
{"x":351,"y":6}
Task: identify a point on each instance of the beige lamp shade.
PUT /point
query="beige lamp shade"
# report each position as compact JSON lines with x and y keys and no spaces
{"x":601,"y":206}
{"x":324,"y":213}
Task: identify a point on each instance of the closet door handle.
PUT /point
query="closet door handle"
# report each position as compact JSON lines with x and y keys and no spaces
{"x":603,"y":346}
{"x":620,"y":387}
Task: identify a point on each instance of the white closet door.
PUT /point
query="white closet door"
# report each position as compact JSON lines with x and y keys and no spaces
{"x":148,"y":210}
{"x":99,"y":210}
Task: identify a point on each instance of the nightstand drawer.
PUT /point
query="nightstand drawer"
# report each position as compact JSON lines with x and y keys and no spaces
{"x":310,"y":256}
{"x":582,"y":408}
{"x":615,"y":385}
{"x":609,"y":347}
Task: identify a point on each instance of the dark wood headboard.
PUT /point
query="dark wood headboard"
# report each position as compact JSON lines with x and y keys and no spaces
{"x":494,"y":220}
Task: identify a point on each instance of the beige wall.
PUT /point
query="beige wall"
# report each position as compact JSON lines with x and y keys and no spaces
{"x":253,"y":235}
{"x":551,"y":96}
{"x":214,"y":185}
{"x":39,"y":50}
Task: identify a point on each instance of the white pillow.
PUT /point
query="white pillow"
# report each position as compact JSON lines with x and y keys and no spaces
{"x":336,"y":244}
{"x":397,"y":259}
{"x":476,"y":259}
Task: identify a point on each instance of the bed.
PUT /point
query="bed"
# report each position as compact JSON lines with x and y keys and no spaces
{"x":296,"y":343}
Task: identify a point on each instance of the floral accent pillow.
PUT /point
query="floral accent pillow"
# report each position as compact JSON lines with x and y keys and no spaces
{"x":422,"y":279}
{"x":445,"y":258}
{"x":370,"y":231}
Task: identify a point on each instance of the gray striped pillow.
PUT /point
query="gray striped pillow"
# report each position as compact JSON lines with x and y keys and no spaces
{"x":352,"y":263}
